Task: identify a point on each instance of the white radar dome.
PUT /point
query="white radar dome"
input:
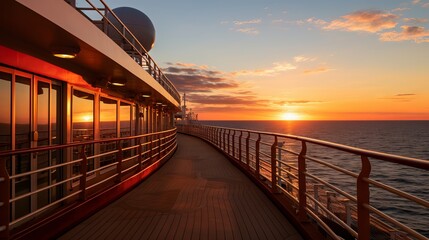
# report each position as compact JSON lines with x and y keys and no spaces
{"x":137,"y":22}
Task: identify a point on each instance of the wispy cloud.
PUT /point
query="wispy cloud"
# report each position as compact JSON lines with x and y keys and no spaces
{"x":252,"y":31}
{"x":246,"y":26}
{"x":276,"y":68}
{"x":295,"y":102}
{"x":300,"y":59}
{"x":247,"y":22}
{"x":221,"y":99}
{"x":401,"y":97}
{"x":416,"y":20}
{"x":317,"y":70}
{"x":400,"y":9}
{"x":416,"y":2}
{"x":315,"y":21}
{"x":194,"y":78}
{"x":408,"y":33}
{"x":366,"y":21}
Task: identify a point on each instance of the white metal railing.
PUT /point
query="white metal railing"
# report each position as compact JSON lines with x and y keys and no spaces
{"x":339,"y":195}
{"x":82,"y":176}
{"x":138,"y":52}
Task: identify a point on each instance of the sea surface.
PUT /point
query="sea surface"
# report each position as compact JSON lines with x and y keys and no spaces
{"x":404,"y":138}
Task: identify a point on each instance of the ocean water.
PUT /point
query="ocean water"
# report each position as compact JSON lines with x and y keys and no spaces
{"x":404,"y":138}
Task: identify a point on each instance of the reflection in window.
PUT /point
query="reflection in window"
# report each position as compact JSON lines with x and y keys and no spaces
{"x":125,"y":119}
{"x":43,"y":113}
{"x":108,"y":123}
{"x":107,"y":118}
{"x":83,"y":125}
{"x":22,"y":140}
{"x":5,"y":105}
{"x":82,"y":116}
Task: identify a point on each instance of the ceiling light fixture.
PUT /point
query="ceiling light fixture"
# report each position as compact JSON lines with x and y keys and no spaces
{"x":65,"y":52}
{"x":119,"y":82}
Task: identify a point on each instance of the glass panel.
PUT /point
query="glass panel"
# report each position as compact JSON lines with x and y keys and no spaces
{"x":125,"y":127}
{"x":82,"y":116}
{"x":43,"y":113}
{"x":125,"y":119}
{"x":5,"y":106}
{"x":43,"y":140}
{"x":83,"y":125}
{"x":22,"y":140}
{"x":108,"y":120}
{"x":56,"y":175}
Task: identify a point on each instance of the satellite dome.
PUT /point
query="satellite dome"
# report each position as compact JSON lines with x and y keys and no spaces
{"x":137,"y":22}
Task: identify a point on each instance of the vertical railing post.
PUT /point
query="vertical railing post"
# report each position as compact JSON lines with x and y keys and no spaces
{"x":302,"y":183}
{"x":224,"y":140}
{"x":119,"y":157}
{"x":140,"y":151}
{"x":159,"y":135}
{"x":4,"y":200}
{"x":233,"y":143}
{"x":151,"y":148}
{"x":229,"y":139}
{"x":247,"y":150}
{"x":274,"y":165}
{"x":363,"y":200}
{"x":239,"y":146}
{"x":257,"y":155}
{"x":83,"y":169}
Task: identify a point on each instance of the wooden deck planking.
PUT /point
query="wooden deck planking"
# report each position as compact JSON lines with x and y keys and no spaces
{"x":198,"y":194}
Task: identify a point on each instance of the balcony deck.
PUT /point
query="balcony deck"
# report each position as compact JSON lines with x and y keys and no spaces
{"x":197,"y":194}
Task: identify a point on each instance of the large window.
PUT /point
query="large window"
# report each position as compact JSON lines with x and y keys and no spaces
{"x":108,"y":128}
{"x":82,"y":116}
{"x":125,"y":118}
{"x":83,"y":125}
{"x":5,"y":106}
{"x":108,"y":118}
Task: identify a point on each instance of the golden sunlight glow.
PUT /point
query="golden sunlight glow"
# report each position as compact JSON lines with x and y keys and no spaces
{"x":290,"y":116}
{"x":87,"y":118}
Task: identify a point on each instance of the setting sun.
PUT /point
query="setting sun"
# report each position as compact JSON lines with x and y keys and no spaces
{"x":87,"y":118}
{"x":290,"y":116}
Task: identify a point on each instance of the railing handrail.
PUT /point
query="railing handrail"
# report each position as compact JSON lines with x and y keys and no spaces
{"x":409,"y":161}
{"x":166,"y":83}
{"x":74,"y":144}
{"x":350,"y":203}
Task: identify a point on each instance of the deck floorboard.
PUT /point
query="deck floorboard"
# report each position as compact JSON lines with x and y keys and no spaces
{"x":197,"y":194}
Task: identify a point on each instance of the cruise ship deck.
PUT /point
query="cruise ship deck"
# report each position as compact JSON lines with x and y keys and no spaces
{"x":197,"y":194}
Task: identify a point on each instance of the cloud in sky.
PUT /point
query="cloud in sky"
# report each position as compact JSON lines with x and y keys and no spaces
{"x":401,"y":97}
{"x":317,"y":70}
{"x":222,"y":99}
{"x":366,"y":21}
{"x":253,"y":21}
{"x":276,"y":68}
{"x":245,"y":26}
{"x":252,"y":31}
{"x":416,"y":20}
{"x":194,"y":78}
{"x":300,"y":59}
{"x":408,"y":33}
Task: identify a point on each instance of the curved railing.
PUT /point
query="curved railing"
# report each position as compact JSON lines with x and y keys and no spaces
{"x":91,"y":167}
{"x":322,"y":181}
{"x":142,"y":58}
